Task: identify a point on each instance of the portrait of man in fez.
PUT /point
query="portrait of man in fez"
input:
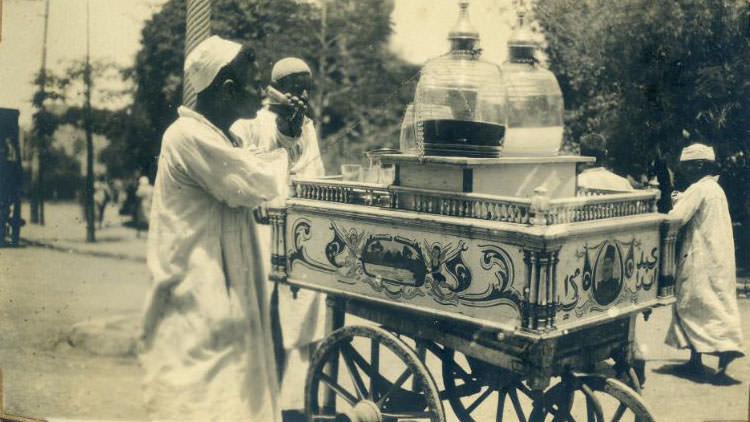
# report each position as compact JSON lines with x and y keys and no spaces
{"x":607,"y":275}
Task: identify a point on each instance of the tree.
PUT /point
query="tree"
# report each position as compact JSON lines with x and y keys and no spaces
{"x":359,"y":95}
{"x":642,"y":72}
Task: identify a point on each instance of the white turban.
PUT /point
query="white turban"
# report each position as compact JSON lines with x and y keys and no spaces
{"x":698,"y":152}
{"x":207,"y":58}
{"x":288,"y":66}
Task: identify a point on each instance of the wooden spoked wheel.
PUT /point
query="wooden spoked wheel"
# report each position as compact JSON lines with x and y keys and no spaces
{"x":478,"y":391}
{"x":592,"y":398}
{"x":379,"y":379}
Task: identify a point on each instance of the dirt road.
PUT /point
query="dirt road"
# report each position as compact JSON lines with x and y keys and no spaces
{"x":44,"y":292}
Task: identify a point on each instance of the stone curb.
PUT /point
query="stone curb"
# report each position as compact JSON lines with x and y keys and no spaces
{"x":99,"y":254}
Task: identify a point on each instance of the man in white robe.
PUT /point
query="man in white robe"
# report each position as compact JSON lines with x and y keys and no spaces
{"x":207,"y":351}
{"x":706,"y":318}
{"x":301,"y":313}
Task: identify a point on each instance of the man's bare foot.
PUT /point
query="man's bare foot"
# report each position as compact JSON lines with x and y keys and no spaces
{"x":693,"y":366}
{"x":725,"y":358}
{"x":721,"y":378}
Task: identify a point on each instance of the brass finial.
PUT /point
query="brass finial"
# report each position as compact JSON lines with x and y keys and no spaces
{"x":463,"y":30}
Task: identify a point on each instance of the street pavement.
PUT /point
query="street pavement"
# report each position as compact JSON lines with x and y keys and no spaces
{"x":46,"y":291}
{"x":65,"y":230}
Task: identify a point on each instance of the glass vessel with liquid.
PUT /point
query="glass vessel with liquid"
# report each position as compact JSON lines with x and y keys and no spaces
{"x":535,"y":103}
{"x":459,"y":104}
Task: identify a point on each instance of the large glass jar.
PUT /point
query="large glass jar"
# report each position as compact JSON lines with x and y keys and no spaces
{"x":535,"y":102}
{"x":459,"y":105}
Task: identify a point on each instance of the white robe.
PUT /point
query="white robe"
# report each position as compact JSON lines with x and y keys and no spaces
{"x":207,"y":351}
{"x":599,"y":178}
{"x":303,"y":318}
{"x":705,"y":315}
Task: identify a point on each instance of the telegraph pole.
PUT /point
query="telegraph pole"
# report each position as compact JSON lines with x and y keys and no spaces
{"x":89,"y":190}
{"x":37,"y":161}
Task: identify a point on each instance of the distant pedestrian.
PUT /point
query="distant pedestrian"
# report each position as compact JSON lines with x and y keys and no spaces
{"x":116,"y":188}
{"x":143,"y":195}
{"x":101,"y":199}
{"x":706,"y":318}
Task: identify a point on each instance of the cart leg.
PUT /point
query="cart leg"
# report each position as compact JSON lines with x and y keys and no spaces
{"x":334,"y":321}
{"x":421,"y":350}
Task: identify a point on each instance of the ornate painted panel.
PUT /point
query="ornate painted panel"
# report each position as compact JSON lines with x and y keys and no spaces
{"x":602,"y":274}
{"x":408,"y":264}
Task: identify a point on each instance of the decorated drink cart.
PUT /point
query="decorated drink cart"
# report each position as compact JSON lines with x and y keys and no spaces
{"x":476,"y":276}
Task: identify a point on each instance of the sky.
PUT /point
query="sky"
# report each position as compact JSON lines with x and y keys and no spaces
{"x":420,"y":31}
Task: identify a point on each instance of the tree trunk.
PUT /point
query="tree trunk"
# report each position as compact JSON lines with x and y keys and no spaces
{"x":89,"y":190}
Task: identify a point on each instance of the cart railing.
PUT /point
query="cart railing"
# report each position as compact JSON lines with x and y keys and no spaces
{"x":592,"y":205}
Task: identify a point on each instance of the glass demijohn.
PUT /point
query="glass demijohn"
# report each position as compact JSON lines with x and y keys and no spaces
{"x":459,"y":105}
{"x":535,"y":102}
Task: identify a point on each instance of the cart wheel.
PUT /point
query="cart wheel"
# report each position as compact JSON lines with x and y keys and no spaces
{"x":470,"y":386}
{"x":372,"y":386}
{"x":592,"y":398}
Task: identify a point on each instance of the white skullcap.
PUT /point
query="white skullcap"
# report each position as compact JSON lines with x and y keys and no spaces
{"x":698,"y":152}
{"x":288,"y":66}
{"x":207,"y":58}
{"x":143,"y":180}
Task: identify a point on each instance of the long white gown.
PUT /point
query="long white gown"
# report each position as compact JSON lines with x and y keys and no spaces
{"x":207,"y":350}
{"x":302,"y":318}
{"x":705,"y":316}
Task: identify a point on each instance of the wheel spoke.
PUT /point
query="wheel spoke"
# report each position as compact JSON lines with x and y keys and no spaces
{"x":396,"y":385}
{"x":421,"y":352}
{"x":468,"y":389}
{"x":565,"y":406}
{"x":460,"y":372}
{"x":561,"y":415}
{"x":619,"y":412}
{"x":479,"y":400}
{"x":590,"y":413}
{"x":330,"y":383}
{"x":516,"y":404}
{"x":370,"y":370}
{"x":359,"y":385}
{"x":594,"y":412}
{"x":375,"y":365}
{"x":525,"y":390}
{"x":500,"y":405}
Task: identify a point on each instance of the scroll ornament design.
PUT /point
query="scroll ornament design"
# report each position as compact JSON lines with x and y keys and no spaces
{"x":403,"y":268}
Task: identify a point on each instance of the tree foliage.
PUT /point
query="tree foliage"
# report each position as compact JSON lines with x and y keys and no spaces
{"x":639,"y":72}
{"x":359,"y":93}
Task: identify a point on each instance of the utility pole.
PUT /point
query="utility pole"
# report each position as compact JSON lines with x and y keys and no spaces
{"x":37,"y":157}
{"x":89,"y":190}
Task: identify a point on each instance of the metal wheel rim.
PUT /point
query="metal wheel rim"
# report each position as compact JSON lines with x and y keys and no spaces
{"x":626,"y":396}
{"x":334,"y":343}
